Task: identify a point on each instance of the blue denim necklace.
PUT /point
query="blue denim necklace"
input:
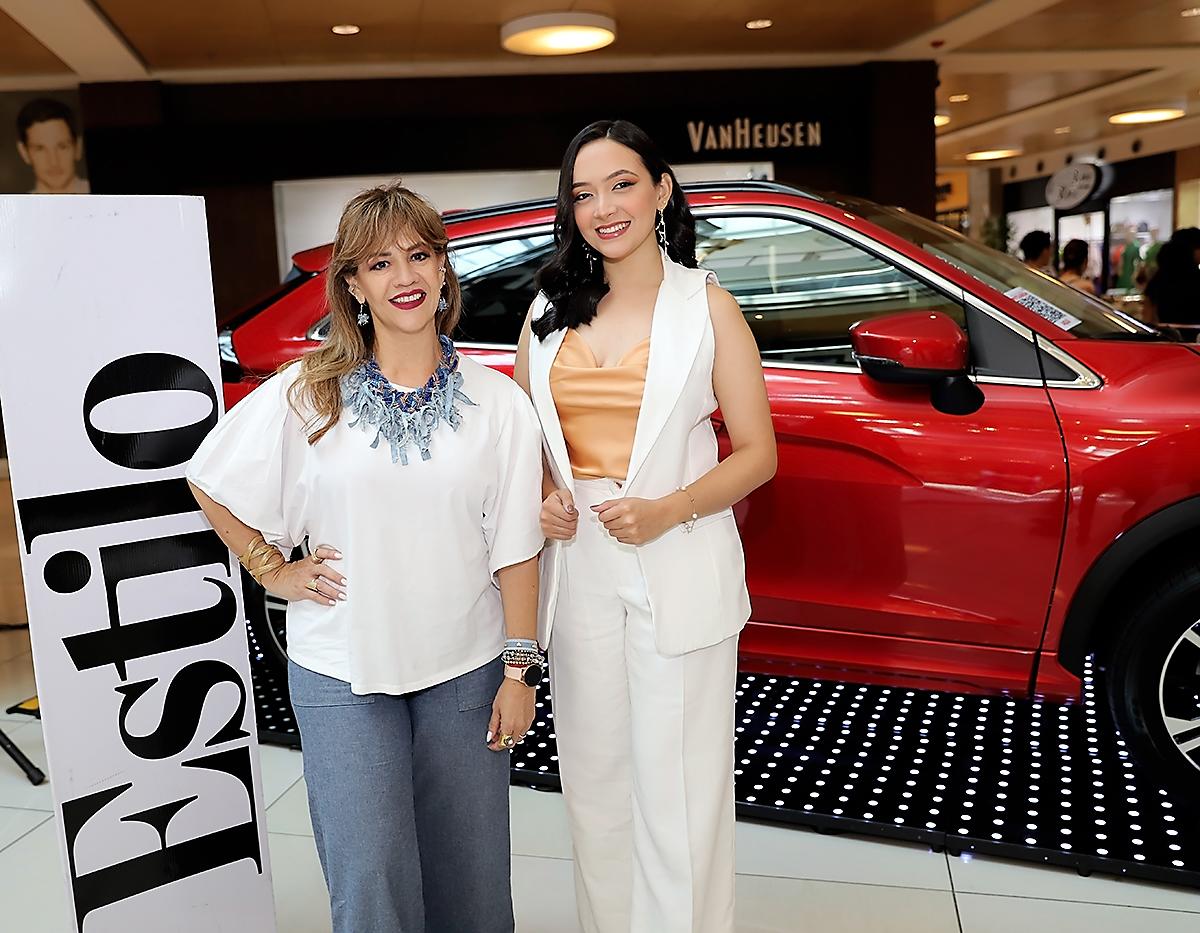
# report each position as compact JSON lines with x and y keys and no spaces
{"x":405,"y":418}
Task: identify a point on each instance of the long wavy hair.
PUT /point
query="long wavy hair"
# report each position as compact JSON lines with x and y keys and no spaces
{"x":371,"y":222}
{"x":574,"y":289}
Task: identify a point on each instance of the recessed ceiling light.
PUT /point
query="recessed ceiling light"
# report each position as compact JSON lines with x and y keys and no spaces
{"x":959,"y":98}
{"x":558,"y":33}
{"x":1150,"y":115}
{"x":941,"y":119}
{"x":1190,"y":12}
{"x":1061,"y":130}
{"x":987,"y":155}
{"x":760,"y":24}
{"x":345,"y":29}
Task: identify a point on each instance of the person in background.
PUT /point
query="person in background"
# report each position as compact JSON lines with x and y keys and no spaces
{"x":1035,"y":250}
{"x":48,"y":144}
{"x":1173,"y":295}
{"x":1074,"y":266}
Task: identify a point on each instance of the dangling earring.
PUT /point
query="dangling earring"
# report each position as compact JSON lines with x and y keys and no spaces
{"x":442,"y":305}
{"x":363,"y":318}
{"x":591,"y":258}
{"x":660,"y":228}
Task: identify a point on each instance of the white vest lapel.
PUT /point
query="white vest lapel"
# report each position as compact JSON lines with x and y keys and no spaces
{"x":541,"y":358}
{"x":676,"y":332}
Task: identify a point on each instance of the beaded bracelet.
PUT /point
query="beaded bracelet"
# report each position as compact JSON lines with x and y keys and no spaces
{"x":520,"y":658}
{"x":691,"y":522}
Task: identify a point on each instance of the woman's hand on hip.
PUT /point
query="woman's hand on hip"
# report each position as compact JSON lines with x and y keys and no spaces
{"x":559,"y":518}
{"x":512,"y":714}
{"x":309,"y":578}
{"x":635,"y":521}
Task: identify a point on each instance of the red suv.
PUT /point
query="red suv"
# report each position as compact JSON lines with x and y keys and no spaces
{"x":984,"y":475}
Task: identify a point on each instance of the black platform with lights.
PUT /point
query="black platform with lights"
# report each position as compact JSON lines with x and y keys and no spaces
{"x":1038,"y":782}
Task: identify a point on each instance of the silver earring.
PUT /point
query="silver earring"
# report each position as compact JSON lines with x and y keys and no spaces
{"x":660,"y":228}
{"x":591,"y":258}
{"x":363,"y":318}
{"x":442,"y":305}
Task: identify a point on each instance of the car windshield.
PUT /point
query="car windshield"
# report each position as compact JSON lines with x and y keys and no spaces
{"x":1073,"y":311}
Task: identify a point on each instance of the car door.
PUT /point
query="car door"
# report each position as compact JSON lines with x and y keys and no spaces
{"x":893,"y":538}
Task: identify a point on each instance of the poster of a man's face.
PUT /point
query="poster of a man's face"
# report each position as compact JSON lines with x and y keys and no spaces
{"x":49,"y":144}
{"x":46,"y":154}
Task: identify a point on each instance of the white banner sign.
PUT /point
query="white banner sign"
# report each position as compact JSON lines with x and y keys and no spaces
{"x":109,"y":380}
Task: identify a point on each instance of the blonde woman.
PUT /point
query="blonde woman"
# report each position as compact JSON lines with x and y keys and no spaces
{"x":411,"y":626}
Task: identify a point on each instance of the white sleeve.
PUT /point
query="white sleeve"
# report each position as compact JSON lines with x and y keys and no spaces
{"x":252,"y":460}
{"x":511,"y":523}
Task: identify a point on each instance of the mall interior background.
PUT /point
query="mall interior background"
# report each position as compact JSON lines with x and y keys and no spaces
{"x":959,"y":110}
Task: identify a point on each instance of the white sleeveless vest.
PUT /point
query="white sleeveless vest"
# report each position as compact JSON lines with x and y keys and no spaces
{"x":696,"y":582}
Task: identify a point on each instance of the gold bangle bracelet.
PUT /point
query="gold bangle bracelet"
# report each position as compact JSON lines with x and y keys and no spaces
{"x":261,"y":558}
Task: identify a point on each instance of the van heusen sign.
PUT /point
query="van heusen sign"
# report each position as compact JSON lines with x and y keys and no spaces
{"x":135,"y":615}
{"x":744,"y":133}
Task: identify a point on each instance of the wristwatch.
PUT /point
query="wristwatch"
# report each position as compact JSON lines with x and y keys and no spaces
{"x":530,"y":676}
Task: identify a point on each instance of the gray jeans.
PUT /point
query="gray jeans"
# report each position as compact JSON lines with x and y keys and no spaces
{"x":409,"y":807}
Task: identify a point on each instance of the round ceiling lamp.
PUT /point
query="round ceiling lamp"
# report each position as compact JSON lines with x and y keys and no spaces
{"x":558,"y":33}
{"x":987,"y":155}
{"x":1149,"y":115}
{"x":941,"y":119}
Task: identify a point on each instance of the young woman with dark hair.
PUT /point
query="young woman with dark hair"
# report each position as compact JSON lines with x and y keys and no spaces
{"x":628,"y":351}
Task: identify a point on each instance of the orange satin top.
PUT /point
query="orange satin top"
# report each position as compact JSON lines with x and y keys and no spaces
{"x":598,"y":406}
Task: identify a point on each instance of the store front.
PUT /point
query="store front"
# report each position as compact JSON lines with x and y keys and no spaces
{"x":1124,"y":211}
{"x":846,"y":129}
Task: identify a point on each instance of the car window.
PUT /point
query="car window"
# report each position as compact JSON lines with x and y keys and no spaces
{"x":1071,"y":310}
{"x":802,"y":288}
{"x":498,"y":285}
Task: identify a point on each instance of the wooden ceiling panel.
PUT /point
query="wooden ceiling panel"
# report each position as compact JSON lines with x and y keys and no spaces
{"x":992,"y":95}
{"x":241,"y":33}
{"x":23,"y":54}
{"x":1088,"y":123}
{"x":1098,"y":24}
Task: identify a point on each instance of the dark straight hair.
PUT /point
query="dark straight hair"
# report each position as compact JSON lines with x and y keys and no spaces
{"x":575,"y":286}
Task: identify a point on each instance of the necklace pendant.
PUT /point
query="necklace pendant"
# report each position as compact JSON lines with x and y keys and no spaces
{"x":403,"y":418}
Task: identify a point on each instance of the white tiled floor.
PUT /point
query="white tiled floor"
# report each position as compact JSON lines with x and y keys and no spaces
{"x":790,"y":880}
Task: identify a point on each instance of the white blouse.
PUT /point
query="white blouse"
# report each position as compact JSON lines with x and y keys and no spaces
{"x":420,"y":542}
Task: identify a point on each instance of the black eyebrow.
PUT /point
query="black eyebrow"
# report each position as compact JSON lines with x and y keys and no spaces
{"x":620,"y":171}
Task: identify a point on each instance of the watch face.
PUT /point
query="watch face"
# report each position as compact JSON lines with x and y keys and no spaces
{"x":533,"y":675}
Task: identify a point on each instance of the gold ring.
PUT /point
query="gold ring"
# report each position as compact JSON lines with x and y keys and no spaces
{"x":317,"y":560}
{"x":312,"y":585}
{"x":507,"y":741}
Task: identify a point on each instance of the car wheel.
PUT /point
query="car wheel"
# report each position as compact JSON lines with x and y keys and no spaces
{"x":1154,"y":679}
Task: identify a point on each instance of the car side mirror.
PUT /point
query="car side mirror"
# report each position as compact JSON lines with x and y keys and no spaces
{"x":919,"y":348}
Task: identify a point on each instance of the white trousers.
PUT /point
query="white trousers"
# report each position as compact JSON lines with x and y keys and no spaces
{"x":645,"y":746}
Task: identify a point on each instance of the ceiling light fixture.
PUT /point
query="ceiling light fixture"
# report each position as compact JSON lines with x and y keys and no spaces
{"x":1149,"y":115}
{"x":987,"y":155}
{"x":1190,"y":12}
{"x":941,"y":119}
{"x":1061,"y":130}
{"x":558,"y":33}
{"x":345,"y":29}
{"x":760,"y":24}
{"x":959,"y":98}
